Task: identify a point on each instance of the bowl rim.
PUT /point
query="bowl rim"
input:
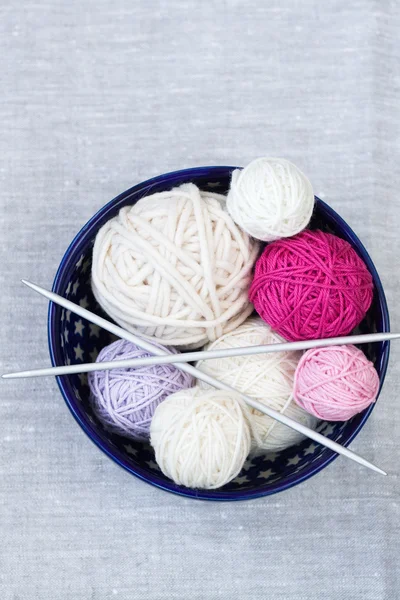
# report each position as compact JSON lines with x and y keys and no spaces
{"x":213,"y":495}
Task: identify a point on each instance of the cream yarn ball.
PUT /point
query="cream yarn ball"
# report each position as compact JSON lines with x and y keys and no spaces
{"x":269,"y":378}
{"x":270,"y":199}
{"x":201,"y":438}
{"x":174,"y":268}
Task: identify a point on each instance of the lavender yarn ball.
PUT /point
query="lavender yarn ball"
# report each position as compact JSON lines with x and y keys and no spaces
{"x":125,"y":399}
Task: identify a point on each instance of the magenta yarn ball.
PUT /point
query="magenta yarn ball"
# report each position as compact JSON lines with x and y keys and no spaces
{"x":125,"y":399}
{"x":313,"y":285}
{"x":335,"y":383}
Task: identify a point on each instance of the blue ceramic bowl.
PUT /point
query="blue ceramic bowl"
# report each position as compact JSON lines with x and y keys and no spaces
{"x":72,"y":339}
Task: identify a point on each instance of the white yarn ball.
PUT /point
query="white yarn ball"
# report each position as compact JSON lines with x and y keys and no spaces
{"x":270,"y":199}
{"x":269,"y":378}
{"x":174,"y":267}
{"x":201,"y":437}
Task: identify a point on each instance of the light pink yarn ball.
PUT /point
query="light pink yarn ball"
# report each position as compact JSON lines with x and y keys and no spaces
{"x":335,"y":383}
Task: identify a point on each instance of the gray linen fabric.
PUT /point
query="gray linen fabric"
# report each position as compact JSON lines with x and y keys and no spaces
{"x":96,"y":96}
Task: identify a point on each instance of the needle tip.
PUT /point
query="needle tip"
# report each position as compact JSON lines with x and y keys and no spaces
{"x":31,"y":285}
{"x":378,"y":470}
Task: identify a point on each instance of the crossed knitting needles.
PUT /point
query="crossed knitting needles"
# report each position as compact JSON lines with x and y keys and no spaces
{"x":182,"y":360}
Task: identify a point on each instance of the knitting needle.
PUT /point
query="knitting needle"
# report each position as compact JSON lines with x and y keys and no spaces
{"x":142,"y":343}
{"x":132,"y":363}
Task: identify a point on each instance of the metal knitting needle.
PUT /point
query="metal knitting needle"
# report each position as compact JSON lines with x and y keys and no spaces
{"x":281,"y":418}
{"x":203,"y":355}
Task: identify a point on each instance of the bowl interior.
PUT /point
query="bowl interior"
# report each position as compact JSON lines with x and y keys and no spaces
{"x":72,"y":340}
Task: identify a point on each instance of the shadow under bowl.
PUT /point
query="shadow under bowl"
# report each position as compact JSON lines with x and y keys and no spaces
{"x":72,"y":339}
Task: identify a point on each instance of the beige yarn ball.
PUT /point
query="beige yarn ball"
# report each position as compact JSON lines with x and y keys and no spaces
{"x":269,"y":378}
{"x":174,"y":268}
{"x":270,"y":199}
{"x":201,"y":438}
